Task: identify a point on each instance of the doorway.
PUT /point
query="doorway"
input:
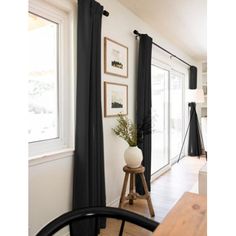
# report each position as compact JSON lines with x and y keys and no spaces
{"x":168,"y":116}
{"x":160,"y":120}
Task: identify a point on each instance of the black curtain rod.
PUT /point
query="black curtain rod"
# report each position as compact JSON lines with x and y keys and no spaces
{"x":138,"y":34}
{"x":105,"y":13}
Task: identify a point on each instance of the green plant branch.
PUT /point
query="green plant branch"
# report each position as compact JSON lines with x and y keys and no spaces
{"x":126,"y":129}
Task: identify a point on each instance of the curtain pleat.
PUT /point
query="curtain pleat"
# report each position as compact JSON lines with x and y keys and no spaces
{"x":88,"y":177}
{"x":194,"y":144}
{"x":144,"y":93}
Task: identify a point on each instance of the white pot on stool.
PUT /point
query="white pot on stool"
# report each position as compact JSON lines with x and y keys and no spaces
{"x":133,"y":157}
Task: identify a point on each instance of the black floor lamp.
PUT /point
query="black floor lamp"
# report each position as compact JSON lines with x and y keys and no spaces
{"x":193,"y":97}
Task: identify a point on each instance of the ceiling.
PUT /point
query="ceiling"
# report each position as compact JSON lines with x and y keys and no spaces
{"x":181,"y":22}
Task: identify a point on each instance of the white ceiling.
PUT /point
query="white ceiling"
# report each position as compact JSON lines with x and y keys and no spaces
{"x":182,"y":22}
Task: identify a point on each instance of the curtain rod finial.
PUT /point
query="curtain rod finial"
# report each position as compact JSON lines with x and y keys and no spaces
{"x":105,"y":13}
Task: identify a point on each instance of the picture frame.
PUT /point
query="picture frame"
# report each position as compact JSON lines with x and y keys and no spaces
{"x":115,"y":58}
{"x":115,"y":99}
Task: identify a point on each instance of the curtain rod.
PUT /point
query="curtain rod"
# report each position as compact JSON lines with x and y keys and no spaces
{"x":138,"y":34}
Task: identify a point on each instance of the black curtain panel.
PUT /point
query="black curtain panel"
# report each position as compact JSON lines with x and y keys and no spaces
{"x":193,"y":77}
{"x":194,"y":144}
{"x":144,"y":108}
{"x":88,"y":178}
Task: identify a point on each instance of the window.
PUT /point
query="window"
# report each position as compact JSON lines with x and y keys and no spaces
{"x":49,"y":79}
{"x":43,"y":79}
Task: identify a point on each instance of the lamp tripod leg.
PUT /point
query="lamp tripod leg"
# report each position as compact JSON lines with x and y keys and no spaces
{"x":186,"y":134}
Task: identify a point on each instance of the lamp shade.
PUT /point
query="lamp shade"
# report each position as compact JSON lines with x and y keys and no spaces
{"x":195,"y":95}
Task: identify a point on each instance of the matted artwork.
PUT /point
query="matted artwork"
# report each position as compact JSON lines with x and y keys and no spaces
{"x":116,"y":58}
{"x":115,"y":99}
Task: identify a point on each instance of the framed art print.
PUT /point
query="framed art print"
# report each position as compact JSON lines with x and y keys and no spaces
{"x":115,"y":99}
{"x":115,"y":58}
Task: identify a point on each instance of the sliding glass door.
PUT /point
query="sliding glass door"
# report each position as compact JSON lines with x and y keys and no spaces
{"x":168,"y":116}
{"x":160,"y":111}
{"x":176,"y":113}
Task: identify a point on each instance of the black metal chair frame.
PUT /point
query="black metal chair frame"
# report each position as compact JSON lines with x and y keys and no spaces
{"x":95,"y":212}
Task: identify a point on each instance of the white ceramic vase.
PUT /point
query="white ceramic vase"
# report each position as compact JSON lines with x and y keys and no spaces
{"x":133,"y":157}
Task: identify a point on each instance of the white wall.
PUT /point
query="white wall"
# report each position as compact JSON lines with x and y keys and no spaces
{"x":119,"y":26}
{"x":50,"y":183}
{"x":50,"y":190}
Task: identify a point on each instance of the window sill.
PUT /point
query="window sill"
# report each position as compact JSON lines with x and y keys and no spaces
{"x":41,"y":159}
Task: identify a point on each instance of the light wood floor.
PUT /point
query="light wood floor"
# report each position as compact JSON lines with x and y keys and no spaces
{"x":165,"y":192}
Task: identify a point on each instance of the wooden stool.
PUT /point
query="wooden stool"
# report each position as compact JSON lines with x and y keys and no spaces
{"x":132,"y":193}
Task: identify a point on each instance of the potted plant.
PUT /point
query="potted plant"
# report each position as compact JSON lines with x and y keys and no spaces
{"x":127,"y":130}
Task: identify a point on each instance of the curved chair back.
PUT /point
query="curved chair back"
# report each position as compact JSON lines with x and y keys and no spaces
{"x":95,"y":212}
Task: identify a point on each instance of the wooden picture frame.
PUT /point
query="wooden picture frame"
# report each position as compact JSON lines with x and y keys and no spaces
{"x":115,"y":58}
{"x":115,"y":99}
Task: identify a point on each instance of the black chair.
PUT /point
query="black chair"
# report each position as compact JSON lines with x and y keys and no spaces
{"x":95,"y":212}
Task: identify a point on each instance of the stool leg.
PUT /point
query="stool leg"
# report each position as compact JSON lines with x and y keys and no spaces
{"x":122,"y":197}
{"x":131,"y":189}
{"x":149,"y":201}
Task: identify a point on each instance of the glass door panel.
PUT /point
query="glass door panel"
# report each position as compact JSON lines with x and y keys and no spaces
{"x":176,"y":113}
{"x":160,"y":80}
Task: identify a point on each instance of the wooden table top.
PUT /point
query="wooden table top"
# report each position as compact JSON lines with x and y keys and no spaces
{"x":187,"y":218}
